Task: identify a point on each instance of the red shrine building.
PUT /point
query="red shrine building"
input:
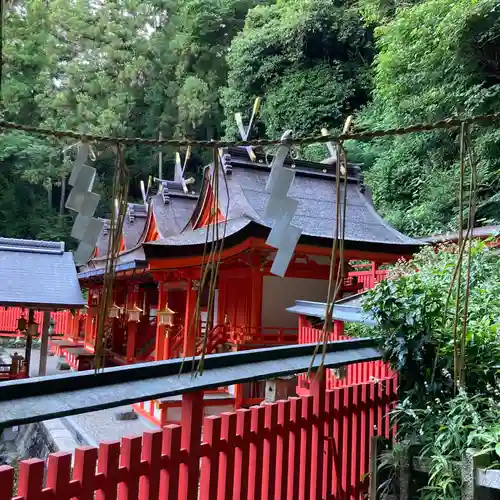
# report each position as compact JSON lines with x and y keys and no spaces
{"x":159,"y":269}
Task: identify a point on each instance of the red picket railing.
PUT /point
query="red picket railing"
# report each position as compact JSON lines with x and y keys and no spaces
{"x":9,"y":317}
{"x":369,"y":279}
{"x":314,"y":446}
{"x":250,"y":337}
{"x":352,"y":374}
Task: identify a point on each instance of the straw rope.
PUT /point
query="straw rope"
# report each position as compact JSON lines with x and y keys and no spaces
{"x":448,"y":123}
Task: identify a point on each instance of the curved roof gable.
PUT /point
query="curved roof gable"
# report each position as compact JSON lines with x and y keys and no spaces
{"x":314,"y":188}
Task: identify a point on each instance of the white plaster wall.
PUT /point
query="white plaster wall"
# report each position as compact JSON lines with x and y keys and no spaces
{"x":280,"y":293}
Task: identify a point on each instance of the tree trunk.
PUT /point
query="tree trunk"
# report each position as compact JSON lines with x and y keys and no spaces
{"x":49,"y":193}
{"x":62,"y":198}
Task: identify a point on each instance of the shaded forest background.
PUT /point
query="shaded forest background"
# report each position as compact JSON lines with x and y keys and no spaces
{"x":184,"y":67}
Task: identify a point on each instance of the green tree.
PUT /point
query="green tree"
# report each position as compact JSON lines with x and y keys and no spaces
{"x":436,"y":59}
{"x":308,"y":59}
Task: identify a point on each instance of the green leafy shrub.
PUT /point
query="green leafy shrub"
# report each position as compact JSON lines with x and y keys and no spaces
{"x":415,"y":312}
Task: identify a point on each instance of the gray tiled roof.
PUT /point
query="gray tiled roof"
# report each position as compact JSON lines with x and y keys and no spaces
{"x":38,"y":274}
{"x":172,"y":217}
{"x":134,"y":224}
{"x":348,"y":310}
{"x":103,"y":240}
{"x":314,"y":188}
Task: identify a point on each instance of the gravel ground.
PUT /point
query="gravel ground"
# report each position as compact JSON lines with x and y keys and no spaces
{"x":99,"y":425}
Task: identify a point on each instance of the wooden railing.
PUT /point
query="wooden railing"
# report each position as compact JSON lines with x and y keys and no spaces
{"x":315,"y":446}
{"x":350,"y":375}
{"x":249,"y":337}
{"x":368,"y":279}
{"x":9,"y":317}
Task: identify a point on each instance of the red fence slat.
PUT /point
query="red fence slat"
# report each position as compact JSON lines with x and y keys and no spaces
{"x":226,"y":462}
{"x":306,"y":447}
{"x":243,"y":422}
{"x":169,"y":474}
{"x":151,"y":455}
{"x":210,"y":463}
{"x":189,"y":473}
{"x":84,"y":471}
{"x":318,"y":388}
{"x":6,"y":482}
{"x":31,"y":479}
{"x":269,"y":451}
{"x":295,"y":448}
{"x":255,"y":455}
{"x":59,"y":474}
{"x":107,"y":465}
{"x":282,"y":449}
{"x":130,"y":459}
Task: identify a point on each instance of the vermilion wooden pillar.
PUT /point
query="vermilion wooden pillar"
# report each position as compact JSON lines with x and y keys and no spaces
{"x":88,"y":321}
{"x":317,"y":436}
{"x":190,"y":329}
{"x":160,"y":329}
{"x":132,"y":297}
{"x":256,"y":304}
{"x":75,"y":325}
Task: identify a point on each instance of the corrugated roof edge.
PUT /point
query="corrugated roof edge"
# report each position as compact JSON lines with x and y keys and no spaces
{"x":32,"y":246}
{"x":341,"y":312}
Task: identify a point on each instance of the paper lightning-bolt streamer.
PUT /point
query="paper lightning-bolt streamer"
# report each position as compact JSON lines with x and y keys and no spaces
{"x":280,"y":207}
{"x":84,"y":202}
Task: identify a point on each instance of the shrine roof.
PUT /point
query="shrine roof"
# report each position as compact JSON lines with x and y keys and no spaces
{"x":348,"y":310}
{"x":103,"y":240}
{"x":172,"y":211}
{"x":38,"y":274}
{"x":134,"y":223}
{"x":314,"y":189}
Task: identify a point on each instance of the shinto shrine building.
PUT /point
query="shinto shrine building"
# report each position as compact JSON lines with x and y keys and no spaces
{"x":159,"y":268}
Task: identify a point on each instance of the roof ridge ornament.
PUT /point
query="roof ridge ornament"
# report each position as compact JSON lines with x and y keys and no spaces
{"x":225,"y":160}
{"x":280,"y":207}
{"x":245,"y":131}
{"x":179,"y":183}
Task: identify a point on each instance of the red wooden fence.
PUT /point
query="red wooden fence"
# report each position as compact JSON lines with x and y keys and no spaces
{"x":369,"y":278}
{"x":312,"y":447}
{"x":9,"y":317}
{"x":354,"y":374}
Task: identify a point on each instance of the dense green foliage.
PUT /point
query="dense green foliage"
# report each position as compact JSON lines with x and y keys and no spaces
{"x":184,"y":67}
{"x":435,"y":60}
{"x":310,"y":59}
{"x":415,"y":331}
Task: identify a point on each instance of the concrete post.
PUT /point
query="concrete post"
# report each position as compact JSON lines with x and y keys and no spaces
{"x":44,"y":346}
{"x":280,"y":388}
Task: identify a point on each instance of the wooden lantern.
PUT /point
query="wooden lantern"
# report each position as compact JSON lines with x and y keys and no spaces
{"x":166,"y":316}
{"x":114,"y":311}
{"x":134,"y":314}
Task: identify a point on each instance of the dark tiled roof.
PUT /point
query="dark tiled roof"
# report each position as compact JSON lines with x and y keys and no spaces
{"x":103,"y":240}
{"x":134,"y":223}
{"x":348,"y":310}
{"x":173,"y":215}
{"x":314,"y":188}
{"x":38,"y":274}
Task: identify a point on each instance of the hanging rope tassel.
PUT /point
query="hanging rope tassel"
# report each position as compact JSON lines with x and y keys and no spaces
{"x":337,"y":254}
{"x":118,"y":211}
